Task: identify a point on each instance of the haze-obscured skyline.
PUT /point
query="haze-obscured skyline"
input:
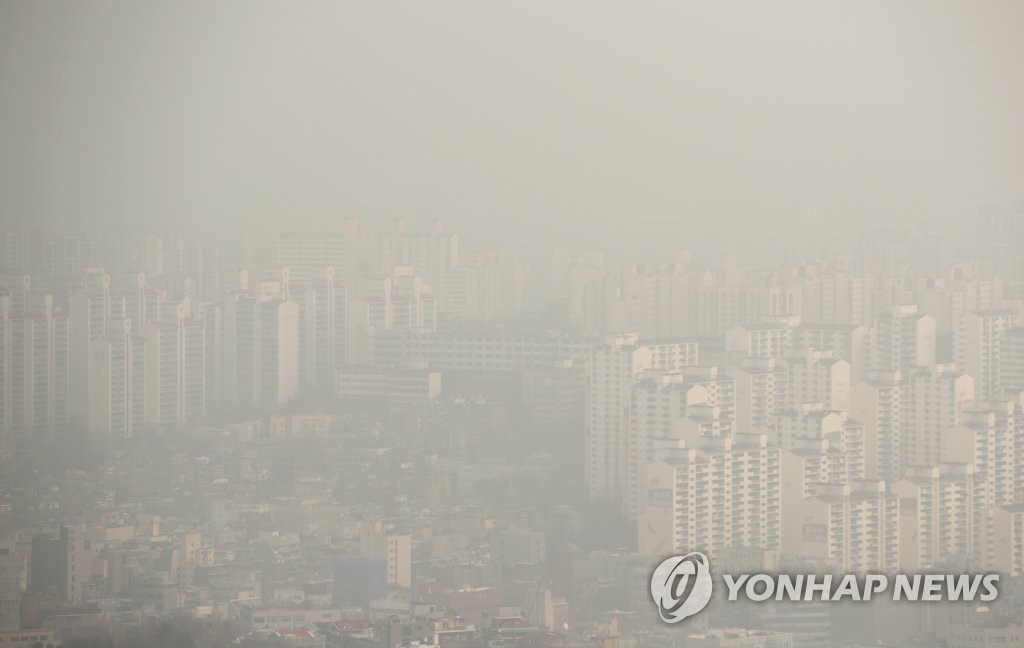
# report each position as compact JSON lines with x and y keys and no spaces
{"x":582,"y":121}
{"x":684,"y":296}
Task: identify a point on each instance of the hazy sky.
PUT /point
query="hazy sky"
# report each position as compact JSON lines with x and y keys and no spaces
{"x":632,"y":121}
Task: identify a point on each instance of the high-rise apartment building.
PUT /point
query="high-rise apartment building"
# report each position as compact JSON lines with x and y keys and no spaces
{"x":878,"y":403}
{"x":978,"y":348}
{"x":89,"y":310}
{"x":761,"y":389}
{"x":176,"y":369}
{"x":1011,"y":362}
{"x":614,"y":367}
{"x":658,"y":400}
{"x":306,"y":254}
{"x":112,"y":394}
{"x":987,"y":438}
{"x":812,"y":425}
{"x":852,"y":528}
{"x":817,"y":377}
{"x":768,"y":340}
{"x":837,"y":297}
{"x":648,"y":298}
{"x":399,"y":302}
{"x":723,"y":494}
{"x":261,"y":349}
{"x":324,"y":328}
{"x":431,"y":253}
{"x":1008,"y":540}
{"x":35,"y":352}
{"x":934,"y":401}
{"x":939,"y":510}
{"x":808,"y":464}
{"x":902,"y":340}
{"x":845,"y":341}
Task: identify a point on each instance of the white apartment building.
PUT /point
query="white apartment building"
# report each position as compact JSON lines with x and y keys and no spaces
{"x":658,"y":401}
{"x":812,"y":424}
{"x":806,"y":466}
{"x":648,"y":298}
{"x":721,"y":396}
{"x":779,"y":297}
{"x":175,"y":371}
{"x":112,"y":398}
{"x":261,"y":352}
{"x":671,"y":355}
{"x":902,"y":339}
{"x":724,"y":494}
{"x":852,"y":528}
{"x":816,"y":461}
{"x":483,"y":286}
{"x":845,"y":342}
{"x":978,"y":347}
{"x":585,"y":293}
{"x":947,"y":298}
{"x":935,"y":400}
{"x":1008,"y":539}
{"x":399,"y":302}
{"x":987,"y":438}
{"x":758,"y":341}
{"x":34,"y":381}
{"x":817,"y":377}
{"x":212,"y":317}
{"x":614,"y":367}
{"x":759,"y":389}
{"x":87,"y":315}
{"x":1011,"y":361}
{"x":939,"y":511}
{"x":836,"y":296}
{"x":325,"y":341}
{"x":306,"y":254}
{"x":432,"y":254}
{"x":719,"y":300}
{"x":878,"y":404}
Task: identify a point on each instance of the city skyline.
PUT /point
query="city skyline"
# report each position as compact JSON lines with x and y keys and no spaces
{"x":511,"y":325}
{"x":855,"y":413}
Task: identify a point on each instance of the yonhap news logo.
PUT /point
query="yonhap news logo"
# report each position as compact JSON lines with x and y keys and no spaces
{"x":681,"y":587}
